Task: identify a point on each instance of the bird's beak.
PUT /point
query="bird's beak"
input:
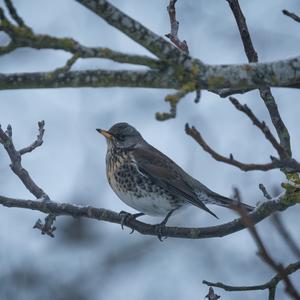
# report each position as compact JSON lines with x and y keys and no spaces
{"x":106,"y":133}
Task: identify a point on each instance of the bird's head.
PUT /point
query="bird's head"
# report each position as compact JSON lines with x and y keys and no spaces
{"x":121,"y":135}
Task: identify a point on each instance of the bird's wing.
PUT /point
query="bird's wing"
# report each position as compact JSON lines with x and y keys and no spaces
{"x":166,"y":174}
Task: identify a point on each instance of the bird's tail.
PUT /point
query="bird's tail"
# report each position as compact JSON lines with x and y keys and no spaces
{"x":227,"y":202}
{"x":230,"y":203}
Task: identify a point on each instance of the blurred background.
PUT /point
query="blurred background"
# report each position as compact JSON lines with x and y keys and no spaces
{"x":97,"y":260}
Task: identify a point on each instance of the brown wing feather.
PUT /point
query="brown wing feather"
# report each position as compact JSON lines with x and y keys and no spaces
{"x":165,"y":173}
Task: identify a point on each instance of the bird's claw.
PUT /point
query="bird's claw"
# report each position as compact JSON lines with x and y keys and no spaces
{"x":159,"y":228}
{"x":126,"y":217}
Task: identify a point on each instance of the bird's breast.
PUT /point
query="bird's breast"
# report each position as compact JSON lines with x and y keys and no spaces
{"x":136,"y":189}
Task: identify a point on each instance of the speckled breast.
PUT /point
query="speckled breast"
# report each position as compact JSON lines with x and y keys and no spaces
{"x":136,"y":189}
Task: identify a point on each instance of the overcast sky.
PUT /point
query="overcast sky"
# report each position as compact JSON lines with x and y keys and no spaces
{"x":70,"y":166}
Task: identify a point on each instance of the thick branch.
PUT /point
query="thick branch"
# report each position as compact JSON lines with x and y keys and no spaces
{"x":89,"y":78}
{"x":263,"y":211}
{"x":135,"y":30}
{"x":277,"y":74}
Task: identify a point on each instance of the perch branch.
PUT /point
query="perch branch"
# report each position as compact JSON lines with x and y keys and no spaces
{"x":54,"y":209}
{"x":264,"y":210}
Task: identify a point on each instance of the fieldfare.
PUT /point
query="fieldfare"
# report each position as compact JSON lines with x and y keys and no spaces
{"x":149,"y":181}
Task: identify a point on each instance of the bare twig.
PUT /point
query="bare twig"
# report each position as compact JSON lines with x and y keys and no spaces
{"x":135,"y":30}
{"x":38,"y":142}
{"x":211,"y":294}
{"x":265,"y":93}
{"x":261,"y":125}
{"x":291,"y":15}
{"x":266,"y":257}
{"x":269,"y":285}
{"x":274,"y":164}
{"x":264,"y":191}
{"x":173,"y":35}
{"x":278,"y":222}
{"x":13,"y":13}
{"x":16,"y":164}
{"x":68,"y":65}
{"x":173,"y":99}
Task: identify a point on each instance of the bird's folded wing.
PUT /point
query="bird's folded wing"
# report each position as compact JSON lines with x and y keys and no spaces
{"x":166,"y":174}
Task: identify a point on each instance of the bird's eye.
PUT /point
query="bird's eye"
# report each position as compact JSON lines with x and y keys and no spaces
{"x":120,"y":137}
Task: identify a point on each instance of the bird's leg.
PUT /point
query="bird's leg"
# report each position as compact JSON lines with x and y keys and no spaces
{"x":126,"y":216}
{"x":161,"y":226}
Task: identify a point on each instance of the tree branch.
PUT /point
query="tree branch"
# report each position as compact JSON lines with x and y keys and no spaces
{"x":274,"y":164}
{"x":277,"y":74}
{"x":173,"y":35}
{"x":264,"y":210}
{"x":14,"y":13}
{"x":265,"y":92}
{"x":135,"y":30}
{"x":89,"y":78}
{"x":262,"y":126}
{"x":16,"y":163}
{"x":270,"y":285}
{"x":291,"y":15}
{"x":38,"y":142}
{"x":25,"y":37}
{"x":266,"y":257}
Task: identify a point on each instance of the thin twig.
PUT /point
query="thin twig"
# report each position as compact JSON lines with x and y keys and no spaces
{"x":13,"y":12}
{"x":261,"y":125}
{"x":38,"y":142}
{"x":211,"y":294}
{"x":173,"y":35}
{"x":265,"y":93}
{"x":291,"y":15}
{"x":16,"y":164}
{"x":270,"y":285}
{"x":278,"y":222}
{"x":173,"y":99}
{"x":264,"y":191}
{"x":266,"y":257}
{"x":274,"y":164}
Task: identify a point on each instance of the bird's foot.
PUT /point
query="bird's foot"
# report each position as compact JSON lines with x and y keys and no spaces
{"x":159,"y":229}
{"x":126,"y":217}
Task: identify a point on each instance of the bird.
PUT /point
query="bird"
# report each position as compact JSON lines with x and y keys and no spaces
{"x":150,"y":182}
